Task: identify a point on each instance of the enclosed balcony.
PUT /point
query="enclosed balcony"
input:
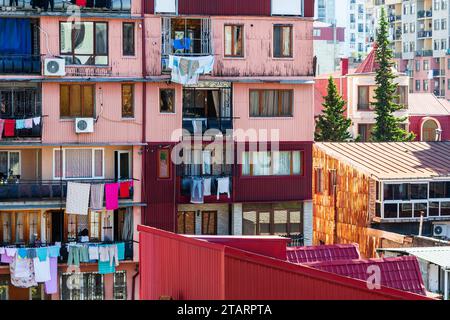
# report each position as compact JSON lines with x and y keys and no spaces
{"x":185,"y":37}
{"x":19,"y":46}
{"x":21,"y":102}
{"x":44,"y":6}
{"x":207,"y":109}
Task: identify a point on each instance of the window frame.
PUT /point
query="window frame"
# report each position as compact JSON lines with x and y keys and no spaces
{"x":169,"y":169}
{"x":174,"y":100}
{"x":233,"y":44}
{"x":271,"y":212}
{"x":133,"y":115}
{"x":133,"y":54}
{"x":184,"y":213}
{"x":291,"y":27}
{"x":260,"y":105}
{"x":215,"y":215}
{"x":63,"y":169}
{"x":82,"y":100}
{"x":271,"y":156}
{"x":122,"y":286}
{"x":8,"y":160}
{"x":94,"y":55}
{"x":26,"y":223}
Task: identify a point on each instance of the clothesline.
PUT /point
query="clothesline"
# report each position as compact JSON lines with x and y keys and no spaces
{"x":8,"y":126}
{"x":201,"y":187}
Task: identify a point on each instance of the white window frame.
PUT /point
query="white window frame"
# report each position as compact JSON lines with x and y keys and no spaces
{"x":63,"y":170}
{"x":119,"y":152}
{"x":9,"y":161}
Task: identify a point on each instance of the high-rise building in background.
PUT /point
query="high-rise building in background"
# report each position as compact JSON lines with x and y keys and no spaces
{"x":325,"y":11}
{"x":419,"y":31}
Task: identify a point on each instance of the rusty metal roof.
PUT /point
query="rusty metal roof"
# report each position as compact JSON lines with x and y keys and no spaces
{"x":394,"y":160}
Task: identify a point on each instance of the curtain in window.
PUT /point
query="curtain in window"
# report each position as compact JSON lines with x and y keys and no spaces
{"x":98,"y":163}
{"x":20,"y":227}
{"x":107,"y":226}
{"x":245,"y":163}
{"x":6,"y":226}
{"x":286,"y":103}
{"x":286,"y":41}
{"x":363,"y":97}
{"x":261,"y":163}
{"x":269,"y":103}
{"x":78,"y":163}
{"x":280,"y":220}
{"x":228,"y":40}
{"x":127,"y":231}
{"x":281,"y":163}
{"x":254,"y":103}
{"x":296,"y":162}
{"x":15,"y":37}
{"x":225,"y":103}
{"x":4,"y":163}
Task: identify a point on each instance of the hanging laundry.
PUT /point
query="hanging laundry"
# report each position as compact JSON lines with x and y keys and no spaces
{"x":29,"y":123}
{"x":9,"y":128}
{"x":54,"y":251}
{"x":22,"y":253}
{"x":112,"y":196}
{"x":106,"y":268}
{"x":31,"y":253}
{"x":51,"y":286}
{"x":11,"y":252}
{"x":42,"y":253}
{"x":121,"y":250}
{"x":223,"y":186}
{"x":84,"y":254}
{"x":2,"y":250}
{"x":186,"y":70}
{"x":207,"y":187}
{"x":37,"y":121}
{"x":125,"y":189}
{"x":2,"y":125}
{"x":197,"y":190}
{"x":80,"y":3}
{"x":6,"y":259}
{"x":113,"y":255}
{"x":97,"y":195}
{"x":20,"y":124}
{"x":77,"y":198}
{"x":74,"y":256}
{"x":103,"y":254}
{"x":41,"y":270}
{"x":93,"y":252}
{"x":22,"y":273}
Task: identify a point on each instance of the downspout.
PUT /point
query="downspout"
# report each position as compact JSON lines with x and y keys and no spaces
{"x":133,"y":287}
{"x":144,"y":117}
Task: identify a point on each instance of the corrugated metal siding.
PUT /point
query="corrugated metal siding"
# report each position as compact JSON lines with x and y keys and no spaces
{"x":224,"y":8}
{"x":160,"y":210}
{"x":170,"y":266}
{"x":309,"y":8}
{"x":271,"y":188}
{"x":323,"y":253}
{"x":186,"y":268}
{"x":149,"y":6}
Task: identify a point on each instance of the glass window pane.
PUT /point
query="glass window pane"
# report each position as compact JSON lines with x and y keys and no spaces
{"x":88,"y":101}
{"x":20,"y":227}
{"x":390,"y":210}
{"x":245,"y":163}
{"x":277,"y":41}
{"x":419,"y":191}
{"x":98,"y":163}
{"x":406,"y":210}
{"x":249,"y":223}
{"x":433,"y":209}
{"x":445,"y":208}
{"x":127,"y":101}
{"x":296,"y":162}
{"x":420,"y":207}
{"x":281,"y":163}
{"x":66,"y":37}
{"x":261,"y":163}
{"x":264,"y":223}
{"x":280,"y":220}
{"x":57,"y":163}
{"x":128,"y":39}
{"x":167,"y":101}
{"x":64,"y":101}
{"x":254,"y":103}
{"x":228,"y":40}
{"x":101,"y":39}
{"x":238,"y":47}
{"x":295,"y":222}
{"x":14,"y":163}
{"x":100,"y":60}
{"x":83,"y":34}
{"x":78,"y":163}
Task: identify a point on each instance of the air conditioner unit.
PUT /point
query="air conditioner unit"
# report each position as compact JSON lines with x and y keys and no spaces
{"x":440,"y":230}
{"x":54,"y":67}
{"x":84,"y":125}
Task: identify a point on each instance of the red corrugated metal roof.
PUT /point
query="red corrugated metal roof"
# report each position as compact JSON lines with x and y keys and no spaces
{"x":401,"y":273}
{"x":369,"y":65}
{"x":191,"y":269}
{"x":323,"y":253}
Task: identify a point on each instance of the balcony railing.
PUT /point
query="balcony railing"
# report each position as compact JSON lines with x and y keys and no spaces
{"x":439,"y":93}
{"x":424,"y":34}
{"x":65,"y":5}
{"x":20,"y":134}
{"x":20,"y":64}
{"x":424,"y":14}
{"x":221,"y":124}
{"x":296,"y":240}
{"x":424,"y":53}
{"x":438,"y":73}
{"x":40,"y":190}
{"x":186,"y":184}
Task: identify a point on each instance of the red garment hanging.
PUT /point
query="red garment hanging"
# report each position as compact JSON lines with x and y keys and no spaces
{"x":124,"y":190}
{"x":81,"y":3}
{"x":10,"y":128}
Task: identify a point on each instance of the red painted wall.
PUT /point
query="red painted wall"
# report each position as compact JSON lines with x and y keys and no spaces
{"x":160,"y":210}
{"x":217,"y":272}
{"x":415,"y":125}
{"x":320,"y":90}
{"x":276,"y":188}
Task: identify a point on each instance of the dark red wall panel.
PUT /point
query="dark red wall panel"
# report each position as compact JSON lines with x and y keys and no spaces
{"x":277,"y":188}
{"x":224,"y":7}
{"x":149,"y":6}
{"x":309,"y":8}
{"x":160,"y":210}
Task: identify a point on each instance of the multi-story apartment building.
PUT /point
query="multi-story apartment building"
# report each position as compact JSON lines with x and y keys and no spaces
{"x":325,"y":11}
{"x":329,"y":46}
{"x":420,"y":40}
{"x":358,"y":31}
{"x":262,"y":79}
{"x":87,"y":96}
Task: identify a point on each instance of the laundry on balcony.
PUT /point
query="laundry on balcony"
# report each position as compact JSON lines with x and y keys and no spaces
{"x":223,"y":186}
{"x":181,"y":44}
{"x":186,"y":70}
{"x":97,"y":194}
{"x":27,"y":127}
{"x":32,"y":265}
{"x":77,"y":201}
{"x":207,"y":187}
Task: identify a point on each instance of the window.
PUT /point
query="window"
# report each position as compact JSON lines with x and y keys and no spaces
{"x":128,"y":47}
{"x":82,"y":286}
{"x":430,"y":130}
{"x":76,"y":225}
{"x":163,"y":164}
{"x":209,"y":222}
{"x":167,"y":101}
{"x":76,"y":100}
{"x":365,"y":131}
{"x":363,"y":98}
{"x":402,"y":92}
{"x":271,"y":220}
{"x":417,"y":65}
{"x":440,"y":190}
{"x":425,"y":85}
{"x":318,"y":178}
{"x":10,"y":164}
{"x":4,"y":287}
{"x":276,"y":163}
{"x":127,"y":101}
{"x":186,"y":222}
{"x":19,"y":102}
{"x":120,"y":285}
{"x":234,"y":41}
{"x":417,"y":85}
{"x":78,"y":163}
{"x":405,"y":191}
{"x":20,"y":227}
{"x":426,"y":65}
{"x":271,"y":103}
{"x":282,"y":41}
{"x":84,"y":43}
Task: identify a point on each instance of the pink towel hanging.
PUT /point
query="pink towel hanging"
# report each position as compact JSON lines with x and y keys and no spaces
{"x":112,"y":196}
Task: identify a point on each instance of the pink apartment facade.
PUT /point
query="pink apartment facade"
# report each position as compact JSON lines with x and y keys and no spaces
{"x":114,"y":115}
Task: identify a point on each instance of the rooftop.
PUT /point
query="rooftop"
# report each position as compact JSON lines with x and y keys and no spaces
{"x":437,"y":255}
{"x":323,"y":253}
{"x":427,"y":104}
{"x":394,"y":160}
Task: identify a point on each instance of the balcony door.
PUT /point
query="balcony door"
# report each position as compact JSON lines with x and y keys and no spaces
{"x":122,"y":165}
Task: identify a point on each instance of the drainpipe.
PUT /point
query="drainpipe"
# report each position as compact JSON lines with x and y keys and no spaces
{"x":445,"y":284}
{"x":133,"y":295}
{"x":144,"y":116}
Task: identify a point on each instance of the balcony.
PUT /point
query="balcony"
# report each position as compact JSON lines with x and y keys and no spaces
{"x":439,"y":93}
{"x":424,"y":53}
{"x":207,"y":108}
{"x":185,"y":37}
{"x":13,"y":189}
{"x":438,"y":73}
{"x":424,"y":34}
{"x":424,"y":14}
{"x":101,"y":6}
{"x":20,"y":64}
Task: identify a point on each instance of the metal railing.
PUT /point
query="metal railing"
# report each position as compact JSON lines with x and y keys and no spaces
{"x":20,"y":64}
{"x":296,"y":240}
{"x":424,"y":14}
{"x":34,"y":132}
{"x":424,"y":53}
{"x":63,"y":5}
{"x":40,"y":190}
{"x":221,"y":123}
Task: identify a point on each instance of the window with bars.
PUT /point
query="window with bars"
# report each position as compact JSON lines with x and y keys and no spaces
{"x":120,"y":285}
{"x":19,"y":103}
{"x":82,"y":286}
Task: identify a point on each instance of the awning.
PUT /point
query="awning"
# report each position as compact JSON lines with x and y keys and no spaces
{"x":437,"y":255}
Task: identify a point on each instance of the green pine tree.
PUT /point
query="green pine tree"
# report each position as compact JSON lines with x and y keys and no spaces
{"x":387,"y":127}
{"x":332,"y":125}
